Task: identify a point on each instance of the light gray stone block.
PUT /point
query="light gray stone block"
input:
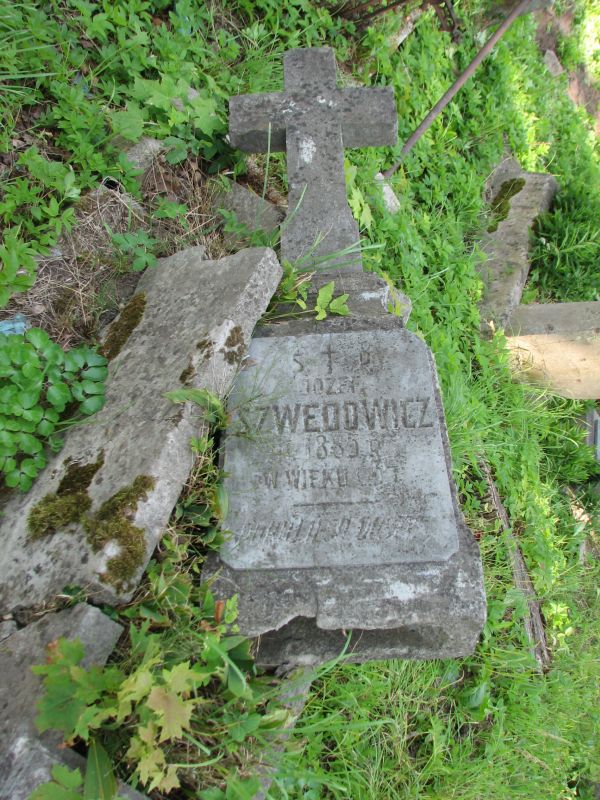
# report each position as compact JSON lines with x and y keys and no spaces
{"x":196,"y":317}
{"x":505,"y":270}
{"x":251,"y":210}
{"x":343,"y":511}
{"x":7,"y":628}
{"x":21,"y":689}
{"x":144,"y":152}
{"x":390,"y":201}
{"x":557,"y":345}
{"x":314,"y":121}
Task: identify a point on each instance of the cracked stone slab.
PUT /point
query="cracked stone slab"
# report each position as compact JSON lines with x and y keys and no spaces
{"x":196,"y":318}
{"x":26,"y":756}
{"x":342,"y":509}
{"x":505,"y":270}
{"x":314,"y":121}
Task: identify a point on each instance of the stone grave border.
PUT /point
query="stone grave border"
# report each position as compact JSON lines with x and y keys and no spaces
{"x":556,"y":345}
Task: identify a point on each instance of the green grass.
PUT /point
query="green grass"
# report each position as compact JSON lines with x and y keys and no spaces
{"x":488,"y":725}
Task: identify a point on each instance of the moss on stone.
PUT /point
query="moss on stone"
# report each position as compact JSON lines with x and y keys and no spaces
{"x":500,"y":205}
{"x":78,"y":477}
{"x":206,"y":347}
{"x":112,"y":523}
{"x":56,"y":511}
{"x":122,"y":328}
{"x":187,"y":375}
{"x":68,"y":504}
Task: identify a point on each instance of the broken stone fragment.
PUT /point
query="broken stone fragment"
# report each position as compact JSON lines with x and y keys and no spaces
{"x":107,"y":496}
{"x":506,"y":242}
{"x":253,"y":212}
{"x":25,"y":756}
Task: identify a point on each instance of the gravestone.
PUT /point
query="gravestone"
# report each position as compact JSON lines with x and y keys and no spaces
{"x":343,"y":515}
{"x":313,"y":120}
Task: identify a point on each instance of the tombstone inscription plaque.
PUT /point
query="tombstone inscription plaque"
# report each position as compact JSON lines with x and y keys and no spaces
{"x":344,"y":521}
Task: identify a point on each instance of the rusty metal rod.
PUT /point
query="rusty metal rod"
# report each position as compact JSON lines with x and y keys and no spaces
{"x":520,"y":8}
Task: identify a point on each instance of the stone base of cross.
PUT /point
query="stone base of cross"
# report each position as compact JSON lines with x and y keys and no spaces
{"x":313,"y":121}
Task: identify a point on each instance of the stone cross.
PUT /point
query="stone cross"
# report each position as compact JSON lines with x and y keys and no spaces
{"x":313,"y":120}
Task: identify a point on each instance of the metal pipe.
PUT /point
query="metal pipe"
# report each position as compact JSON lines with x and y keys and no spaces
{"x":520,"y":8}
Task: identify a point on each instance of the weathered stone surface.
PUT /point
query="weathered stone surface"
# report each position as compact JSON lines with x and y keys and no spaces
{"x":555,"y":68}
{"x":314,"y":121}
{"x":144,"y":152}
{"x":407,"y":27}
{"x":507,"y":248}
{"x":343,"y":511}
{"x":196,"y":317}
{"x":21,"y":689}
{"x":558,"y":345}
{"x":251,"y":210}
{"x":507,"y":170}
{"x":7,"y":628}
{"x":31,"y":765}
{"x":390,"y":201}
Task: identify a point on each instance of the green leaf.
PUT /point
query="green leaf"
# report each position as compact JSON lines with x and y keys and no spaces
{"x":63,"y":787}
{"x":12,"y":479}
{"x":221,"y":502}
{"x":242,"y":789}
{"x":70,"y":779}
{"x":28,"y":443}
{"x":215,"y":412}
{"x":59,"y":395}
{"x":38,"y":338}
{"x":94,"y":359}
{"x":95,"y":373}
{"x":92,"y":387}
{"x":128,"y":124}
{"x":178,"y":150}
{"x":338,"y":305}
{"x":29,"y":467}
{"x":45,"y":428}
{"x":100,"y":782}
{"x":324,"y":296}
{"x":74,"y":360}
{"x":93,"y":404}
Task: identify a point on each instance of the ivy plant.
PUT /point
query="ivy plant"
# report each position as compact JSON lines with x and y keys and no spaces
{"x":42,"y":387}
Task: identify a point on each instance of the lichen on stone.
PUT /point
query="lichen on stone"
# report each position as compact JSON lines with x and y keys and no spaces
{"x":122,"y":328}
{"x":234,"y":346}
{"x":187,"y":375}
{"x":206,"y":347}
{"x":500,"y":205}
